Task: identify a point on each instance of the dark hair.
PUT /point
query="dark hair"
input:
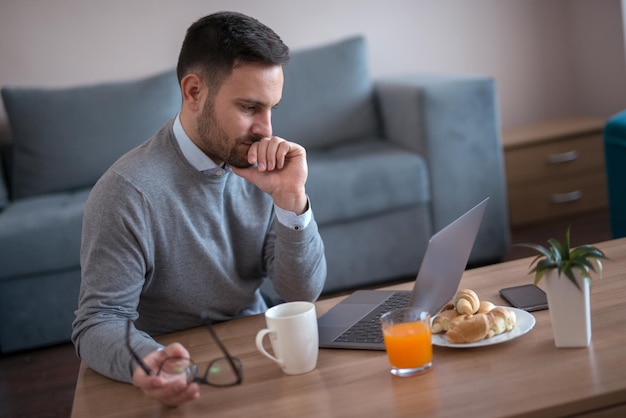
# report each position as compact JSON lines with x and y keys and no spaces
{"x":215,"y":44}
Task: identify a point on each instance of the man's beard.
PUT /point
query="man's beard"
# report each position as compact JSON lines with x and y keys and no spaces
{"x":216,"y":144}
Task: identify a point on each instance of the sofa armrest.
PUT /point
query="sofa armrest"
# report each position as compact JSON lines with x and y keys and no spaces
{"x":4,"y":170}
{"x":453,"y":122}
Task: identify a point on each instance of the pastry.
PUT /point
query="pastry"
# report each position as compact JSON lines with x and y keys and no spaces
{"x":497,"y":321}
{"x":485,"y":306}
{"x":447,"y":307}
{"x":511,"y":319}
{"x":466,"y":302}
{"x":441,"y":322}
{"x":467,"y":319}
{"x":500,"y":320}
{"x":468,"y":329}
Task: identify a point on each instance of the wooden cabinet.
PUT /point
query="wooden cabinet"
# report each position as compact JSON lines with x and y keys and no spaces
{"x":555,"y":169}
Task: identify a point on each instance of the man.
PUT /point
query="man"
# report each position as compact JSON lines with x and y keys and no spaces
{"x":193,"y":220}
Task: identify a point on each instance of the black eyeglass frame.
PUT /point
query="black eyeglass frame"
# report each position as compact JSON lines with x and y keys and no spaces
{"x":234,"y":362}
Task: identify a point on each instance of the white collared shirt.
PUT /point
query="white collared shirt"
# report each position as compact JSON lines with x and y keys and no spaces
{"x":200,"y":161}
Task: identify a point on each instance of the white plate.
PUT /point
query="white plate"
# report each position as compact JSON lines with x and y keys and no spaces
{"x":524,"y":323}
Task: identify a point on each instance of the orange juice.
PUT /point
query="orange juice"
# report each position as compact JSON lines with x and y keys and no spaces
{"x":408,"y":344}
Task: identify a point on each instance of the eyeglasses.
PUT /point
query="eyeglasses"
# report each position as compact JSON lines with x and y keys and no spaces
{"x":223,"y":371}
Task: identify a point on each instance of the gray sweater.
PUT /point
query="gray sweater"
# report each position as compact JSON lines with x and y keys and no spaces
{"x":162,"y":243}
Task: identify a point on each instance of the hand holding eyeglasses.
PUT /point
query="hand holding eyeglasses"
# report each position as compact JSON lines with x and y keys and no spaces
{"x":170,"y":389}
{"x":176,"y":378}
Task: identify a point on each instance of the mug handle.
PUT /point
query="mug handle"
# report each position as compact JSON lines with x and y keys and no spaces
{"x":259,"y":345}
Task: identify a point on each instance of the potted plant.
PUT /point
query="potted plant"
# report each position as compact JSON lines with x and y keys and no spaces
{"x":567,"y":273}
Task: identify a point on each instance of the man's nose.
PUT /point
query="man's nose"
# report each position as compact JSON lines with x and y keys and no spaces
{"x":263,"y":124}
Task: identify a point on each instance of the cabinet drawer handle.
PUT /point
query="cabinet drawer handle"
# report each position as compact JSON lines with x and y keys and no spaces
{"x":564,"y":157}
{"x":566,"y":197}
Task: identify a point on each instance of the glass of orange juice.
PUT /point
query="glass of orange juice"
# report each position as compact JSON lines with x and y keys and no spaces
{"x":407,"y":340}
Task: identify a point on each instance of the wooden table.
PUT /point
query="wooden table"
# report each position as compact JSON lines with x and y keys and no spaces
{"x":526,"y":376}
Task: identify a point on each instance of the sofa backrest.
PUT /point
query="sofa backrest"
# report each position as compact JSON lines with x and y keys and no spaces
{"x":328,"y":96}
{"x":66,"y":138}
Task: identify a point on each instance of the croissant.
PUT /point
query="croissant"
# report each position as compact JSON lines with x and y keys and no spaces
{"x":497,"y":321}
{"x":466,"y":302}
{"x":468,"y":329}
{"x":485,"y":306}
{"x":447,"y":307}
{"x":467,"y":319}
{"x":500,"y":320}
{"x":510,"y":320}
{"x":441,"y":323}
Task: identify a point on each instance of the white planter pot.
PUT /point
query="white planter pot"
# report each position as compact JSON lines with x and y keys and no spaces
{"x":569,"y":308}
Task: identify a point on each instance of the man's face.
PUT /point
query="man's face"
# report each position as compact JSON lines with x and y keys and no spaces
{"x":240,"y":113}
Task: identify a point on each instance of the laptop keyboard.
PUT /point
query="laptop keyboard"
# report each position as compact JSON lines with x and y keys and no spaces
{"x":368,"y":329}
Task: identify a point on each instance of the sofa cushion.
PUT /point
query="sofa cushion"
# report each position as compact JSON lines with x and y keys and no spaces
{"x":41,"y":234}
{"x":66,"y":138}
{"x":360,"y":179}
{"x":328,"y":96}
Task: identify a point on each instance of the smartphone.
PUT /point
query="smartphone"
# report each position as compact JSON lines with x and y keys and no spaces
{"x":527,"y":297}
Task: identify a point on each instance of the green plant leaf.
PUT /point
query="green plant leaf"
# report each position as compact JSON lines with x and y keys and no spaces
{"x":539,"y":248}
{"x":560,"y":256}
{"x":600,"y":267}
{"x":570,"y":275}
{"x":566,"y":243}
{"x":557,"y":250}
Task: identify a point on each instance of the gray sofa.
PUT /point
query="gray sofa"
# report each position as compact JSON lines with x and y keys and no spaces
{"x":390,"y":162}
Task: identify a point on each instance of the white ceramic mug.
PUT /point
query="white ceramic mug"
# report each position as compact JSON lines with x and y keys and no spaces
{"x":292,"y":328}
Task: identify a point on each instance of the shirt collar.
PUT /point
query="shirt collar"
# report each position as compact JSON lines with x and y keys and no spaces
{"x":192,"y":153}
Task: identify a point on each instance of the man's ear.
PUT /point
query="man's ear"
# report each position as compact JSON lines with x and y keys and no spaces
{"x":193,"y":91}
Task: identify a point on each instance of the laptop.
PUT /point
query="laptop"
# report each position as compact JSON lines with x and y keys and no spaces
{"x":354,"y":323}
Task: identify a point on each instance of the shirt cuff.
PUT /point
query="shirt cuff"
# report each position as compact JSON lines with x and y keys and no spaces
{"x":291,"y":220}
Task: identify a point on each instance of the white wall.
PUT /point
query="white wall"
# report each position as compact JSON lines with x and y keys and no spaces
{"x":550,"y":58}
